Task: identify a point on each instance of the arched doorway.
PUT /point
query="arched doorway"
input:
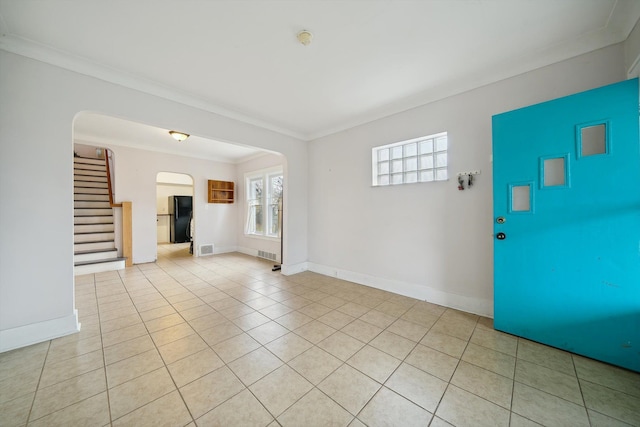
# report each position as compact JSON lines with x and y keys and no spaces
{"x":174,"y":205}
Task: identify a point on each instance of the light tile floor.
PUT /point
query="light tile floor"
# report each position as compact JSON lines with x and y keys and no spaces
{"x":224,"y":341}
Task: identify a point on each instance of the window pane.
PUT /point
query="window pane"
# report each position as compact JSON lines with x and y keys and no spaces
{"x":411,"y":164}
{"x":441,"y":143}
{"x":259,"y":223}
{"x":410,"y":149}
{"x":383,"y":168}
{"x":396,"y":152}
{"x":383,"y":154}
{"x":274,"y":220}
{"x":593,"y":140}
{"x":441,"y":160}
{"x":554,"y":172}
{"x":396,"y":166}
{"x":255,"y":188}
{"x":426,"y":176}
{"x":521,"y":198}
{"x":441,"y":175}
{"x":383,"y":180}
{"x":426,"y":146}
{"x":275,"y":186}
{"x":254,"y":220}
{"x":426,"y":162}
{"x":410,"y":177}
{"x":396,"y":178}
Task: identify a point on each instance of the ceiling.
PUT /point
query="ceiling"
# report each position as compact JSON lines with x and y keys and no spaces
{"x":104,"y":130}
{"x":368,"y":59}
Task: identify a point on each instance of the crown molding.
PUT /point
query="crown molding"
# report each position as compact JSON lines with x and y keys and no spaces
{"x":622,"y":18}
{"x":46,"y":54}
{"x":525,"y":63}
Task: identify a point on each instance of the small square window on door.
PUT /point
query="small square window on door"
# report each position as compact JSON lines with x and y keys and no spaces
{"x":554,"y":172}
{"x":521,"y":198}
{"x":593,"y":139}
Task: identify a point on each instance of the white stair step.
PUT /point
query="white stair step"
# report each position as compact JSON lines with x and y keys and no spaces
{"x":86,"y":161}
{"x":93,"y":197}
{"x":116,"y":264}
{"x":94,"y":246}
{"x":89,"y":172}
{"x":95,"y":256}
{"x":90,"y":178}
{"x":92,"y":211}
{"x":93,"y":228}
{"x":95,"y":204}
{"x":102,"y":168}
{"x":106,"y":219}
{"x":89,"y":184}
{"x":84,"y":190}
{"x":93,"y":237}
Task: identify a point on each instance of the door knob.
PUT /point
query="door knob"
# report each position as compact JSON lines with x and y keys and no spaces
{"x":501,"y":236}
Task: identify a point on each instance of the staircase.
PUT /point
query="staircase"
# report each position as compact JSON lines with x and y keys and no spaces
{"x":93,"y":229}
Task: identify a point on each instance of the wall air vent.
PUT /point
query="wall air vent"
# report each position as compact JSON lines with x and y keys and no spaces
{"x":206,"y":249}
{"x":267,"y":255}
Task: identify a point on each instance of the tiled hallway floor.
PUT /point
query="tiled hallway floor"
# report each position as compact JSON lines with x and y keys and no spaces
{"x":224,"y":341}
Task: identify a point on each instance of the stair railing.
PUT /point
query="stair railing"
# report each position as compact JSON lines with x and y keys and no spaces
{"x":108,"y":161}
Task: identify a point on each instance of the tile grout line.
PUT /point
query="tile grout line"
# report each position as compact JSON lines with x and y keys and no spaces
{"x":584,"y":403}
{"x":397,"y":367}
{"x":513,"y":382}
{"x":35,"y":393}
{"x":104,"y":360}
{"x":44,"y":365}
{"x":209,"y":346}
{"x":105,"y":364}
{"x":456,"y":368}
{"x":193,"y":420}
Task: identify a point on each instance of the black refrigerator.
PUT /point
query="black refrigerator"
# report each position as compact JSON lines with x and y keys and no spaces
{"x":179,"y":218}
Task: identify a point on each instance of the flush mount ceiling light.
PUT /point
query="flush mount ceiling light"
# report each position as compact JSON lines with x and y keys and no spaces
{"x":178,"y":136}
{"x":304,"y":37}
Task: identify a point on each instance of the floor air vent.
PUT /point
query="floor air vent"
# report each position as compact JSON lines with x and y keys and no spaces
{"x":206,"y":249}
{"x":267,"y":255}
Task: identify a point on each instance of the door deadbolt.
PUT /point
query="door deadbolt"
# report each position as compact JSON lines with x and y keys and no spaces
{"x":501,"y":236}
{"x":501,"y":220}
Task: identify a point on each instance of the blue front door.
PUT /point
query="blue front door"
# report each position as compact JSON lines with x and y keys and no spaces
{"x":566,"y":194}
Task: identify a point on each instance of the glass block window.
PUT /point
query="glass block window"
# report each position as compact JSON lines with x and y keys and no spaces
{"x":417,"y":160}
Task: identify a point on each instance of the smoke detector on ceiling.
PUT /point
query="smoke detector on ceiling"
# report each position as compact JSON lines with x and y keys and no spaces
{"x":304,"y":37}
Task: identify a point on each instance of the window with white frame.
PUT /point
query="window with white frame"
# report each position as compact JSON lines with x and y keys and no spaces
{"x":417,"y":160}
{"x":264,"y":203}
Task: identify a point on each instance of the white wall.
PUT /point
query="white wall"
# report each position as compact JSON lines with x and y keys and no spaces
{"x":252,"y":244}
{"x":38,"y":103}
{"x":429,"y":240}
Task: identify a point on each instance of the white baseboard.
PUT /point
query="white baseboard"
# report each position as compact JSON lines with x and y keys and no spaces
{"x":483,"y":307}
{"x":225,"y":250}
{"x":289,"y":269}
{"x":34,"y":333}
{"x":246,"y":251}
